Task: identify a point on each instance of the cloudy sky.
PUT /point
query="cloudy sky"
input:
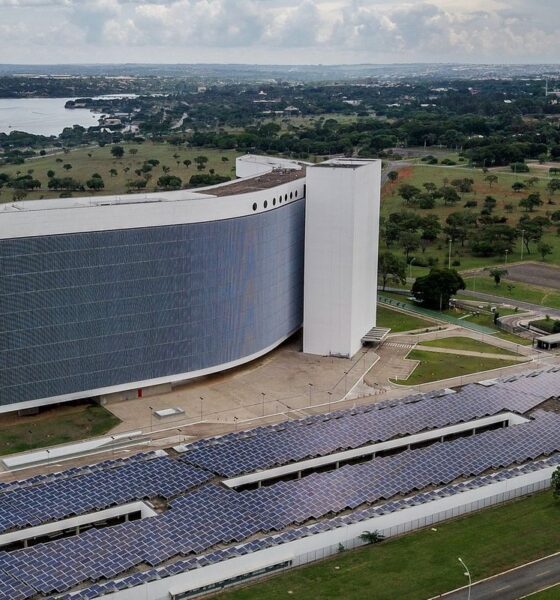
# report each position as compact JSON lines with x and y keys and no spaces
{"x":279,"y":31}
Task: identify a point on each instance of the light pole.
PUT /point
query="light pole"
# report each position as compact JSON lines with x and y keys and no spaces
{"x":330,"y":398}
{"x":48,"y":457}
{"x":410,"y":267}
{"x":310,"y":390}
{"x":506,"y":255}
{"x":522,"y":242}
{"x":263,"y":395}
{"x":201,"y":401}
{"x":449,"y":260}
{"x":467,"y":573}
{"x":345,"y":382}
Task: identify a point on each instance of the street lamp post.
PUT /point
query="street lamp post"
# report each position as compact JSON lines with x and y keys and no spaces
{"x":522,"y":242}
{"x":410,"y":267}
{"x":506,"y":255}
{"x":330,"y":398}
{"x":345,"y":382}
{"x":449,"y":259}
{"x":201,"y":401}
{"x":263,"y":395}
{"x":310,"y":390}
{"x":467,"y":573}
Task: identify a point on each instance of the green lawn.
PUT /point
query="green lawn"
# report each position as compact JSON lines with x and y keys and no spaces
{"x":487,"y":320}
{"x":101,"y":161}
{"x":550,"y":594}
{"x":399,"y":321}
{"x":466,"y":343}
{"x":57,"y":425}
{"x":421,"y":173}
{"x":424,"y":564}
{"x":545,"y":324}
{"x":515,"y":290}
{"x":435,"y":366}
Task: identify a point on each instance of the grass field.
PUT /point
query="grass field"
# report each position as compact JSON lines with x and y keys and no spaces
{"x":424,"y":564}
{"x":515,"y":290}
{"x":550,"y":594}
{"x":54,"y":426}
{"x":419,"y":174}
{"x":101,"y":161}
{"x":465,"y":343}
{"x":435,"y":366}
{"x":399,"y":321}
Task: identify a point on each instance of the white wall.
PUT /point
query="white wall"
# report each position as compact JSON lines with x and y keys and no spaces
{"x":341,"y":239}
{"x":42,"y":217}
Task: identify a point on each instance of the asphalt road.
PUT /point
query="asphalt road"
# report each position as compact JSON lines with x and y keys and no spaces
{"x":514,"y":584}
{"x":553,"y":312}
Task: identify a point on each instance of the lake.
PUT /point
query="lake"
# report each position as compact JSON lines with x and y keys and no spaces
{"x":42,"y":116}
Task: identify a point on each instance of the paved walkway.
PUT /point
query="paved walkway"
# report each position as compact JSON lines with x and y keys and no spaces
{"x":514,"y":584}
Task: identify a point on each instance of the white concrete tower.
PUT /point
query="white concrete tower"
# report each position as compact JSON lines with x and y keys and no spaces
{"x":341,"y":246}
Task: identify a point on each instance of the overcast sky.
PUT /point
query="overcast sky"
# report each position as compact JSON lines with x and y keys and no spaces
{"x":279,"y":31}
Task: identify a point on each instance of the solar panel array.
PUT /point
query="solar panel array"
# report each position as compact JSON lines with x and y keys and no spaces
{"x":265,"y":447}
{"x":85,"y":490}
{"x":213,"y":514}
{"x":182,"y":566}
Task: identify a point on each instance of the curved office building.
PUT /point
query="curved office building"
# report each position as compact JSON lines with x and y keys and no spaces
{"x":107,"y":294}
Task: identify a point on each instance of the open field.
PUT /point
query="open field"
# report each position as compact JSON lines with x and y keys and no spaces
{"x":57,"y":425}
{"x":514,"y":290}
{"x":419,"y":174}
{"x":101,"y":161}
{"x":399,"y":321}
{"x":424,"y":564}
{"x":535,"y":274}
{"x":465,"y":343}
{"x":550,"y":594}
{"x":434,"y":366}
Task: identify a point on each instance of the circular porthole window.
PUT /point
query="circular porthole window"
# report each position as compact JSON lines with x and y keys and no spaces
{"x":254,"y":206}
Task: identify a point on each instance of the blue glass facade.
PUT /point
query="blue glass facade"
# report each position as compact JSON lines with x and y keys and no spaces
{"x":90,"y":310}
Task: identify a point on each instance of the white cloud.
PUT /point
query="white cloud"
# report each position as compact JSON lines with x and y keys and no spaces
{"x":289,"y":30}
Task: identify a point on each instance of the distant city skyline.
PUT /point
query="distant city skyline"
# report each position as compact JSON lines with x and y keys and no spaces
{"x":278,"y":31}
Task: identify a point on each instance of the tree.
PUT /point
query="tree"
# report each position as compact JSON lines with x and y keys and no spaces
{"x":518,"y":186}
{"x":137,"y":184}
{"x":392,"y":176}
{"x":408,"y":192}
{"x":95,"y":183}
{"x":67,"y":166}
{"x":553,"y":186}
{"x":113,"y":172}
{"x":449,"y":195}
{"x":117,"y":151}
{"x":50,"y":173}
{"x":19,"y":194}
{"x":555,"y":483}
{"x":531,"y":202}
{"x":532,"y":181}
{"x":187,"y":163}
{"x":435,"y":289}
{"x":544,"y":249}
{"x":372,"y":537}
{"x":410,"y":241}
{"x":169,"y":182}
{"x":491,"y":179}
{"x":497,"y":274}
{"x":391,"y":267}
{"x":133,"y":151}
{"x":464,"y":185}
{"x":165,"y":169}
